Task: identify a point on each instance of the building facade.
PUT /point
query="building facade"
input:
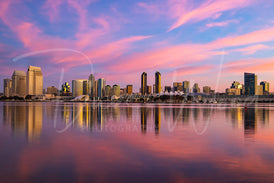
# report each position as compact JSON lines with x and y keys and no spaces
{"x":101,"y":88}
{"x":19,"y":83}
{"x":79,"y":87}
{"x":157,"y":82}
{"x":129,"y":89}
{"x":265,"y":87}
{"x":186,"y":87}
{"x":144,"y":83}
{"x":250,"y":80}
{"x":34,"y":81}
{"x":7,"y":87}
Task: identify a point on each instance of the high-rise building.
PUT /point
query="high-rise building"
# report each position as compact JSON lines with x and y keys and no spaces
{"x":235,"y":89}
{"x":259,"y":90}
{"x":91,"y":83}
{"x":149,"y":90}
{"x":19,"y":83}
{"x":177,"y":86}
{"x":168,"y":89}
{"x":206,"y":89}
{"x":265,"y":87}
{"x":52,"y":90}
{"x":129,"y":89}
{"x":186,"y":86}
{"x":66,"y":87}
{"x":157,"y":82}
{"x":107,"y":91}
{"x":101,"y":87}
{"x":196,"y":88}
{"x":34,"y":81}
{"x":7,"y":87}
{"x":143,"y":83}
{"x":250,"y":80}
{"x":79,"y":87}
{"x":123,"y":91}
{"x":86,"y":87}
{"x":116,"y":90}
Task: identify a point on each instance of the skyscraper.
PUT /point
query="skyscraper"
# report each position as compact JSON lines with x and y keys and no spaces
{"x":129,"y":89}
{"x":206,"y":89}
{"x":107,"y":90}
{"x":101,"y":87}
{"x":66,"y":87}
{"x":196,"y":88}
{"x":157,"y":82}
{"x":144,"y":83}
{"x":177,"y":86}
{"x":250,"y":80}
{"x":52,"y":90}
{"x":116,"y":90}
{"x":265,"y":87}
{"x":34,"y":81}
{"x":186,"y":86}
{"x":19,"y":83}
{"x":91,"y":85}
{"x":7,"y":87}
{"x":77,"y":88}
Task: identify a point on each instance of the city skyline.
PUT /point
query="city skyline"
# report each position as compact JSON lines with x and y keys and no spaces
{"x":32,"y":85}
{"x":183,"y":40}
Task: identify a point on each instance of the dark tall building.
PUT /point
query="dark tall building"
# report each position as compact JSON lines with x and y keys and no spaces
{"x":250,"y":80}
{"x":157,"y":82}
{"x":144,"y":83}
{"x":265,"y":87}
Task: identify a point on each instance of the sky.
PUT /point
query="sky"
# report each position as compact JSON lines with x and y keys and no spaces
{"x":210,"y":42}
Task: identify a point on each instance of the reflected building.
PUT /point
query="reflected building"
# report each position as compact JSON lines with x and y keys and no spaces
{"x":250,"y":122}
{"x":143,"y":119}
{"x":34,"y":121}
{"x":157,"y":117}
{"x":24,"y":120}
{"x":236,"y":117}
{"x":186,"y":115}
{"x":18,"y":119}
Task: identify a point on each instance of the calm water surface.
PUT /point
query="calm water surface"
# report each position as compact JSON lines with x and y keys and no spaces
{"x":77,"y":142}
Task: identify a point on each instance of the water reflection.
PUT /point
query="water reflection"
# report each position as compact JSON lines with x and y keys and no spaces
{"x":143,"y":119}
{"x":88,"y":149}
{"x":28,"y":118}
{"x":157,"y":117}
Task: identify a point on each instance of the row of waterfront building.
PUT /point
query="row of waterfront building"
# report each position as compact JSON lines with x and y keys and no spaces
{"x":22,"y":83}
{"x":31,"y":83}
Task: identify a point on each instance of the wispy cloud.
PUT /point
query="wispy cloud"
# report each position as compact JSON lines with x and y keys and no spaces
{"x":221,"y":24}
{"x":208,"y":10}
{"x":253,"y":49}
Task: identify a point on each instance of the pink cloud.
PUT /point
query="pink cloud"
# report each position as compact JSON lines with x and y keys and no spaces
{"x":250,"y":65}
{"x":209,"y":9}
{"x":221,"y":24}
{"x":253,"y":49}
{"x":263,"y":35}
